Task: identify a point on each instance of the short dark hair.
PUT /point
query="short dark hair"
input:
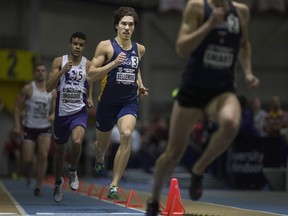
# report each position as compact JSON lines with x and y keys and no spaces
{"x":39,"y":64}
{"x":124,"y":11}
{"x":80,"y":35}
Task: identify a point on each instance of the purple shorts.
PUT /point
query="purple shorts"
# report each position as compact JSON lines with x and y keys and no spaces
{"x":108,"y":115}
{"x":63,"y":125}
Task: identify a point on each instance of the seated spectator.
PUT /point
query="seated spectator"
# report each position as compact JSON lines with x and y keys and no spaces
{"x":153,"y":142}
{"x":247,"y":129}
{"x":276,"y":118}
{"x":259,"y":116}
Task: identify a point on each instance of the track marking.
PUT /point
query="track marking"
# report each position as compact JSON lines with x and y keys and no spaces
{"x":19,"y":208}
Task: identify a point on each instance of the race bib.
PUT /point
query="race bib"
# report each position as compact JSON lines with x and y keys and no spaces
{"x":218,"y":58}
{"x":40,"y":111}
{"x":125,"y":78}
{"x":71,"y":96}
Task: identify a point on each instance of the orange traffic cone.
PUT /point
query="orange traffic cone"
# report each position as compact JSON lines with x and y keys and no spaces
{"x":93,"y":190}
{"x":174,"y":204}
{"x":132,"y":195}
{"x":103,"y":193}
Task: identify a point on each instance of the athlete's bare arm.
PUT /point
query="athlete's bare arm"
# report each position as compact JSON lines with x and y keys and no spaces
{"x":52,"y":106}
{"x":90,"y":103}
{"x":192,"y":29}
{"x":25,"y":93}
{"x":103,"y":52}
{"x":245,"y":49}
{"x":143,"y":91}
{"x":57,"y":72}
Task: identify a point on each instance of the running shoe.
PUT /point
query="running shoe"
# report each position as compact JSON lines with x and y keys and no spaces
{"x":99,"y":168}
{"x":196,"y":188}
{"x":37,"y":192}
{"x":58,"y":190}
{"x":152,"y":208}
{"x":113,"y":193}
{"x":73,"y":180}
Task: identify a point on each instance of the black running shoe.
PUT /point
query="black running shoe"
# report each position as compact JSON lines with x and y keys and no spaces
{"x":37,"y":192}
{"x":152,"y":208}
{"x":195,"y":189}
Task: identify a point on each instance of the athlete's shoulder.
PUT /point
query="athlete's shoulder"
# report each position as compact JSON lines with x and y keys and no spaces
{"x":28,"y":88}
{"x":141,"y":48}
{"x":194,"y":8}
{"x":58,"y":60}
{"x":104,"y":43}
{"x":243,"y":8}
{"x":195,"y":4}
{"x":104,"y":47}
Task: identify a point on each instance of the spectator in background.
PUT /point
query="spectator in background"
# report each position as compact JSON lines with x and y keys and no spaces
{"x":247,"y":129}
{"x":154,"y":142}
{"x":259,"y":116}
{"x":276,"y":118}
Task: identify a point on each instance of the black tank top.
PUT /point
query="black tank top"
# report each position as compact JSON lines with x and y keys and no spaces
{"x":211,"y":65}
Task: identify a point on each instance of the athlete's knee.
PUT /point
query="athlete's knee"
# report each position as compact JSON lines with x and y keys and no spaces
{"x":174,"y":155}
{"x":126,"y":135}
{"x":230,"y":125}
{"x":60,"y":150}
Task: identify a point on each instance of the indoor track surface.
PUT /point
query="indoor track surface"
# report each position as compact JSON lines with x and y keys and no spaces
{"x":16,"y":198}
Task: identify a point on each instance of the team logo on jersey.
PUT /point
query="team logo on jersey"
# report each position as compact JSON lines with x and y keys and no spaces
{"x":233,"y":24}
{"x":74,"y":77}
{"x":133,"y":61}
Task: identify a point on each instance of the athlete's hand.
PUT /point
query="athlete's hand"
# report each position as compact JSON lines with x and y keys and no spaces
{"x":67,"y":67}
{"x":51,"y":118}
{"x":217,"y":16}
{"x":120,"y":58}
{"x":252,"y":81}
{"x":17,"y":130}
{"x":143,"y":92}
{"x":90,"y":103}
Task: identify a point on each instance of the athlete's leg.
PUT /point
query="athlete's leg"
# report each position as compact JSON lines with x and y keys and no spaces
{"x":181,"y":124}
{"x":102,"y":144}
{"x":226,"y":110}
{"x":59,"y":160}
{"x":43,"y":144}
{"x":27,"y":150}
{"x":126,"y":125}
{"x":77,"y":136}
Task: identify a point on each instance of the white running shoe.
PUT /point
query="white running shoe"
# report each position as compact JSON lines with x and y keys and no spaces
{"x":58,"y":191}
{"x":73,"y":180}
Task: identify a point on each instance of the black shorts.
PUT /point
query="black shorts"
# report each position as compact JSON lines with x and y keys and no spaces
{"x":199,"y":97}
{"x":33,"y":133}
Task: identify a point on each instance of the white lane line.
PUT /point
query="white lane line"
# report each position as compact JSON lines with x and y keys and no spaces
{"x":8,"y":213}
{"x":19,"y":208}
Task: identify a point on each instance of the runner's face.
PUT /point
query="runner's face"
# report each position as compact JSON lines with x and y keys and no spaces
{"x":126,"y":27}
{"x":40,"y":73}
{"x":77,"y":46}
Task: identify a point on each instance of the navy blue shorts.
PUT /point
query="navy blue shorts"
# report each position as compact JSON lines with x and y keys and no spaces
{"x":63,"y":125}
{"x":108,"y":115}
{"x":33,"y":133}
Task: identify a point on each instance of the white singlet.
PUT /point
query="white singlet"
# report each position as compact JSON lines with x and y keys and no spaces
{"x":37,"y":109}
{"x":72,"y":89}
